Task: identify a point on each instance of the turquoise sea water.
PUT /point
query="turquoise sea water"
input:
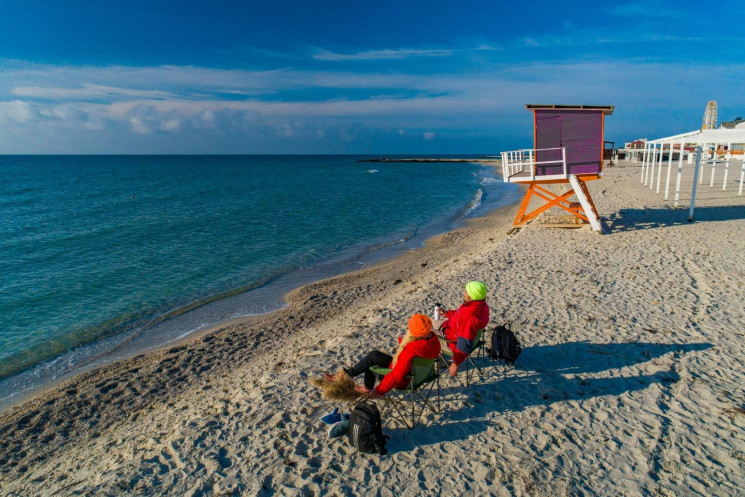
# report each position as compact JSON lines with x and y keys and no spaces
{"x":93,"y":246}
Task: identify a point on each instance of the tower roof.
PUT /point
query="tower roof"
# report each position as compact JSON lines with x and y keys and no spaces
{"x":607,"y":109}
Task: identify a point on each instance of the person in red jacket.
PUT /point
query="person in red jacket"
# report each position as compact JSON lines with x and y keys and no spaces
{"x":462,"y":324}
{"x":419,"y":341}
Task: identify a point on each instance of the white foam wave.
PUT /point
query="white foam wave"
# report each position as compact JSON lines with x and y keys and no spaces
{"x":187,"y":333}
{"x":372,"y":171}
{"x":490,"y":181}
{"x":473,"y":204}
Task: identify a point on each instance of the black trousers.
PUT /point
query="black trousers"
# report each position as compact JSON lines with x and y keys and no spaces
{"x":374,"y":358}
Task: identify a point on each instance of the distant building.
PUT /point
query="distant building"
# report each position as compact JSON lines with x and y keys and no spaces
{"x":636,"y":144}
{"x":738,"y":123}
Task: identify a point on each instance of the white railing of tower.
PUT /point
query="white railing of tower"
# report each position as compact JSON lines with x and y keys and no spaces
{"x":518,"y":162}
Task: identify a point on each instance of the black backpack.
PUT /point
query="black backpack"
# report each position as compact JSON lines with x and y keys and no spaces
{"x":504,"y":344}
{"x":365,"y":429}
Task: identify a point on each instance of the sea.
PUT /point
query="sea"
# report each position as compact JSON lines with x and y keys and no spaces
{"x":104,"y":257}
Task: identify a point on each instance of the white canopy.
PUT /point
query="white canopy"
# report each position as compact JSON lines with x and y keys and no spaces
{"x":702,"y":137}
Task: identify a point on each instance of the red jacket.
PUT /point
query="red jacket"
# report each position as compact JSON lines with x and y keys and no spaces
{"x":429,"y":348}
{"x":462,"y":325}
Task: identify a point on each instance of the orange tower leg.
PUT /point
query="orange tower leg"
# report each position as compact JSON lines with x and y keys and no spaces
{"x":552,"y":200}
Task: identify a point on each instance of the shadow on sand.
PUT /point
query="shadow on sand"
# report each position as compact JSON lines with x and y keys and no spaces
{"x":538,"y":380}
{"x":642,"y":219}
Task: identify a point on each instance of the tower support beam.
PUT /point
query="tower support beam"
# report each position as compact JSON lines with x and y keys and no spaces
{"x":588,"y":213}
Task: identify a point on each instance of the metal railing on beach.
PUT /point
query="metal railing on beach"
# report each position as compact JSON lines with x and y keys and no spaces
{"x":523,"y":163}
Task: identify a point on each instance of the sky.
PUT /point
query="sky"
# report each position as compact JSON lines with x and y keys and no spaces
{"x":378,"y":77}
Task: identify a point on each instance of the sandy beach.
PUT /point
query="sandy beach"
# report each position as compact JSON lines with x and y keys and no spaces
{"x":630,"y":381}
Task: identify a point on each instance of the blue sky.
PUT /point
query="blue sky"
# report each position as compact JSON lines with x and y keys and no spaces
{"x":371,"y":77}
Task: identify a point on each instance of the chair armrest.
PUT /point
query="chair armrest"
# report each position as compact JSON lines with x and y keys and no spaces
{"x":380,"y":371}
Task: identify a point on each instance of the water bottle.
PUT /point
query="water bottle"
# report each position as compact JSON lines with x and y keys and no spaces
{"x":438,"y":312}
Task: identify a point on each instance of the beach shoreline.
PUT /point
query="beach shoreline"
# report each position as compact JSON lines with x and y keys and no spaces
{"x":198,"y":318}
{"x":372,"y":259}
{"x":616,"y":390}
{"x":291,"y":301}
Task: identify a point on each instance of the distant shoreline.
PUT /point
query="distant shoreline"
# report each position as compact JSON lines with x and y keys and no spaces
{"x":487,"y":160}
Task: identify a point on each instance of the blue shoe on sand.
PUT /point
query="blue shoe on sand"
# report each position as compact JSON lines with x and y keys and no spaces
{"x":332,"y":417}
{"x":339,"y":429}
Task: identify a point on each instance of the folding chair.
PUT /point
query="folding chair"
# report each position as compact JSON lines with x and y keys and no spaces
{"x":477,"y":352}
{"x":422,"y":380}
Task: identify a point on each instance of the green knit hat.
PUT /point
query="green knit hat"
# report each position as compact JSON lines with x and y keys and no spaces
{"x":476,"y":290}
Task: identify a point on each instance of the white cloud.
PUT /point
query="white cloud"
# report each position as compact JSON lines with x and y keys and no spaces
{"x":286,"y":130}
{"x":399,"y":53}
{"x":85,"y":92}
{"x":208,"y":116}
{"x":139,"y":126}
{"x":386,"y":54}
{"x":187,"y":110}
{"x":64,"y":112}
{"x":171,"y":125}
{"x":15,"y":111}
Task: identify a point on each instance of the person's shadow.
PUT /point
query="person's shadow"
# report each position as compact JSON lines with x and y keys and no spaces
{"x":542,"y":375}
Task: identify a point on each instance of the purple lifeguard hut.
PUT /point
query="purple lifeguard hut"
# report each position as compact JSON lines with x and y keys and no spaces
{"x":568,"y":148}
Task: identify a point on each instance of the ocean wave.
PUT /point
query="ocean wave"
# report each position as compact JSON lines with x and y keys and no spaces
{"x":372,"y":171}
{"x":472,"y":205}
{"x":490,"y":181}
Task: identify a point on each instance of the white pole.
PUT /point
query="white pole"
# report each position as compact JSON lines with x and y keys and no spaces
{"x":659,"y":167}
{"x":644,"y":163}
{"x":649,"y":164}
{"x":742,"y":174}
{"x":564,"y":159}
{"x":669,"y":165}
{"x":713,"y":164}
{"x":680,"y":173}
{"x":726,"y":165}
{"x":695,"y":183}
{"x":652,"y":162}
{"x":703,"y":164}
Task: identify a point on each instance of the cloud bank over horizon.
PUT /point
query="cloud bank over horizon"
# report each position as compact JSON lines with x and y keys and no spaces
{"x":466,"y":97}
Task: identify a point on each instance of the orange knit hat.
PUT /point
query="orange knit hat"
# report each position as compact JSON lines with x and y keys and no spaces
{"x":420,"y":325}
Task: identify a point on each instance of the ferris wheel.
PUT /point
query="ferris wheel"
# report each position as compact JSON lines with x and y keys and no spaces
{"x":710,"y":116}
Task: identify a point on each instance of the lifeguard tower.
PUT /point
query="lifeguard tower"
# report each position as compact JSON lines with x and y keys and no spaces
{"x":568,"y":148}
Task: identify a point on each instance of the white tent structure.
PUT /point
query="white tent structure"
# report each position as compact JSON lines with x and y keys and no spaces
{"x":708,"y":143}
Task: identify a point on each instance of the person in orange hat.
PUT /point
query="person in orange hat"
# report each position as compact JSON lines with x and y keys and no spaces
{"x":419,"y":341}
